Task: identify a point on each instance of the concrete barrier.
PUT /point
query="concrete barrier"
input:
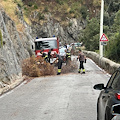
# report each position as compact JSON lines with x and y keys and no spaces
{"x":103,"y":62}
{"x":11,"y":86}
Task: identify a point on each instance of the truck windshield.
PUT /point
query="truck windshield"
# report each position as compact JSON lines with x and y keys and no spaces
{"x":45,"y":44}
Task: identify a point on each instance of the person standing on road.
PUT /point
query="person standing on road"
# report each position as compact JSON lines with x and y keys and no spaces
{"x":60,"y":60}
{"x":44,"y":55}
{"x":68,"y":57}
{"x":49,"y":54}
{"x":81,"y":58}
{"x":65,"y":45}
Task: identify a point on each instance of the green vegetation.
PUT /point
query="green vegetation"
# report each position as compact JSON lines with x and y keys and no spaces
{"x":113,"y":48}
{"x":91,"y":35}
{"x":59,"y":9}
{"x":59,"y":2}
{"x":70,"y":24}
{"x":1,"y":40}
{"x":40,"y":16}
{"x":46,"y":9}
{"x":111,"y":29}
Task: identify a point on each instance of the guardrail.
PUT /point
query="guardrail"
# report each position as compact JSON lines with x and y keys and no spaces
{"x":103,"y":62}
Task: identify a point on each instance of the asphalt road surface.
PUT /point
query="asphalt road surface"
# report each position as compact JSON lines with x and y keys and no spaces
{"x":64,"y":97}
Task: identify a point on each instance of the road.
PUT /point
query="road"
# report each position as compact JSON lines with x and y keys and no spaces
{"x":64,"y":97}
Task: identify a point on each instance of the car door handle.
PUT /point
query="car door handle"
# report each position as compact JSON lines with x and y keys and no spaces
{"x":103,"y":97}
{"x":108,"y":96}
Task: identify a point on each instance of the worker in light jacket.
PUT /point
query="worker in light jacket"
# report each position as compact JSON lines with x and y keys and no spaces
{"x":82,"y":59}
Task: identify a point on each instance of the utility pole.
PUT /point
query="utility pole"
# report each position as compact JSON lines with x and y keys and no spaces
{"x":101,"y":29}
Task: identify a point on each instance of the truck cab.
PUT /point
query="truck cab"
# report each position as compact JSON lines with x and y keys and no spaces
{"x":46,"y":44}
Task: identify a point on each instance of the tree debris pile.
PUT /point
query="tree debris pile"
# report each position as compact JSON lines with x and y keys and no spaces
{"x":36,"y":67}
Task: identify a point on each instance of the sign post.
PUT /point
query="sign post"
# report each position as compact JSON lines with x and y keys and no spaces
{"x":101,"y":28}
{"x":103,"y":40}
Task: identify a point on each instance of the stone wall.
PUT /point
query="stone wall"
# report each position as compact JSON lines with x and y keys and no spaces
{"x":103,"y":62}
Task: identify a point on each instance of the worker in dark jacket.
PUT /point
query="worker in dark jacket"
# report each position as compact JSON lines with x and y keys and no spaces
{"x":44,"y":55}
{"x":68,"y":57}
{"x":59,"y":58}
{"x":49,"y":54}
{"x":81,"y":58}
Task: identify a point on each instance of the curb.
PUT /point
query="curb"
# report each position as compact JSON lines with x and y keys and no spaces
{"x":11,"y":86}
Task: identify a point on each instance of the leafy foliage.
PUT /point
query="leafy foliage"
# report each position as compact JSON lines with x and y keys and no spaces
{"x":111,"y":29}
{"x":113,"y":52}
{"x":113,"y":49}
{"x":83,"y":11}
{"x":91,"y":35}
{"x":116,"y":25}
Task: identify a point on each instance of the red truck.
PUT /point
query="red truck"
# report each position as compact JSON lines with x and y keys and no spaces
{"x":46,"y":44}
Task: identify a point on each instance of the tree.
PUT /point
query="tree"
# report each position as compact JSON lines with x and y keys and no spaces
{"x":91,"y":35}
{"x":116,"y":25}
{"x":113,"y":49}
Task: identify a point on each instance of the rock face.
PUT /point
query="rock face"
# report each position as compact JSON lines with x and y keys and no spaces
{"x":16,"y":46}
{"x":68,"y":34}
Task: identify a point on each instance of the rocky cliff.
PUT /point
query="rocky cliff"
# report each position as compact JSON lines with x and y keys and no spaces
{"x":70,"y":33}
{"x":16,"y":46}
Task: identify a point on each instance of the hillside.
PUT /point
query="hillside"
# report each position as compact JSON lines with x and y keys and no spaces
{"x":37,"y":10}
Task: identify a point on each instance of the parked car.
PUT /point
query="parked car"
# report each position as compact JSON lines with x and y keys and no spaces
{"x":116,"y":112}
{"x":109,"y":96}
{"x":77,"y":45}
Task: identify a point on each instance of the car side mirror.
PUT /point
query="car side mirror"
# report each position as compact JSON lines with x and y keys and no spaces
{"x":115,"y":110}
{"x":99,"y":86}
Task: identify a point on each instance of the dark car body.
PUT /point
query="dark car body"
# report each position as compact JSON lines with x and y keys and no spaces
{"x":109,"y":96}
{"x":116,"y":112}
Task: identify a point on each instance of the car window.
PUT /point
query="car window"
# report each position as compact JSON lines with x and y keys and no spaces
{"x":116,"y":82}
{"x":111,"y":79}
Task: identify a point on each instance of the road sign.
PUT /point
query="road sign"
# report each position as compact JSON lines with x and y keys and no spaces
{"x":103,"y":38}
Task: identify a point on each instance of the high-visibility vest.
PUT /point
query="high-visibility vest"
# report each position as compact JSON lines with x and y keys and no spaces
{"x":68,"y":54}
